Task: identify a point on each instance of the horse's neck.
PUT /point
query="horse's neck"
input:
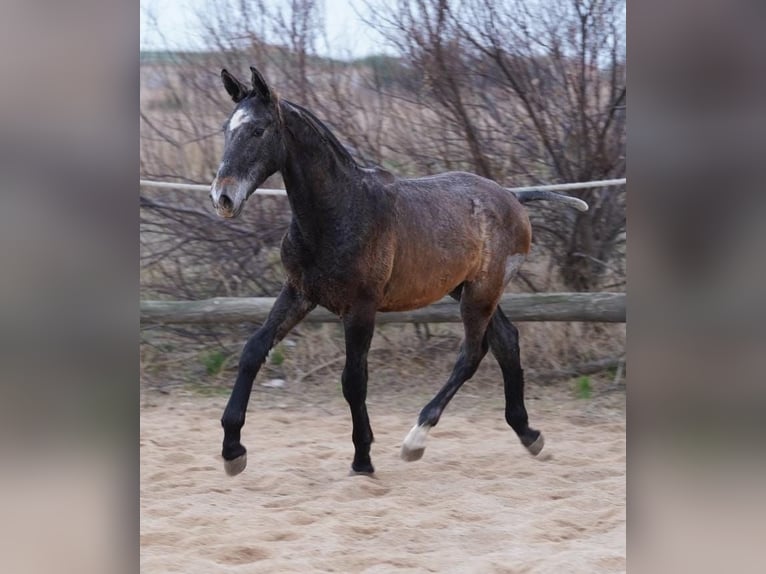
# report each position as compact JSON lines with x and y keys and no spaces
{"x":319,"y":181}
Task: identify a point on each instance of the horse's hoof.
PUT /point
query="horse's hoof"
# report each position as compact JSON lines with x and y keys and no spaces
{"x":411,"y":455}
{"x":353,"y":472}
{"x":236,"y":465}
{"x":414,"y":444}
{"x":535,"y":448}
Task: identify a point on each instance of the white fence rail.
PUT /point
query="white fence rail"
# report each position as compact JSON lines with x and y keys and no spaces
{"x":553,"y":187}
{"x":201,"y":187}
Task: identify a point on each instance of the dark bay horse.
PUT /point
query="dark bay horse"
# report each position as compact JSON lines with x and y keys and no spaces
{"x":362,"y":241}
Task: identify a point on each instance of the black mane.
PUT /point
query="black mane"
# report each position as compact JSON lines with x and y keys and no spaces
{"x":323,"y":132}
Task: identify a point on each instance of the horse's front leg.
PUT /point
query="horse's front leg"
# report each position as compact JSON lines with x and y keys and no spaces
{"x":288,"y":310}
{"x":359,"y":326}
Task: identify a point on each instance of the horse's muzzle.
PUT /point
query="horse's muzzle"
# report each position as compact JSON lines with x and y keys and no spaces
{"x":228,"y":197}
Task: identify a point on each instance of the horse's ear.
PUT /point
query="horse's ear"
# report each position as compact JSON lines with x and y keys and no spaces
{"x":236,"y":89}
{"x":260,"y":86}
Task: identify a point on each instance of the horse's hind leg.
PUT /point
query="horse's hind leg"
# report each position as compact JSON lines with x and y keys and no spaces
{"x":503,"y":338}
{"x":359,"y":326}
{"x":476,"y":312}
{"x":288,"y":310}
{"x":504,"y":342}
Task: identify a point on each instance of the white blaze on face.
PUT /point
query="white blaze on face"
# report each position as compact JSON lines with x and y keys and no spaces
{"x":240,"y":117}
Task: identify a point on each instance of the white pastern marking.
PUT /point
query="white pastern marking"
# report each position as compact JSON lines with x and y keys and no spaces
{"x":240,"y":117}
{"x":512,"y":265}
{"x":416,"y":438}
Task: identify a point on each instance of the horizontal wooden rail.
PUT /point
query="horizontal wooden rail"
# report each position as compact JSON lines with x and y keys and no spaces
{"x":596,"y":307}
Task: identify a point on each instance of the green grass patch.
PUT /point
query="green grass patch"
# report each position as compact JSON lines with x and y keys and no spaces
{"x":583,"y":388}
{"x":214,"y":362}
{"x":277,"y":356}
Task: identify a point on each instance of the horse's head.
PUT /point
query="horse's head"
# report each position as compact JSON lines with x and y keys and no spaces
{"x":253,"y":148}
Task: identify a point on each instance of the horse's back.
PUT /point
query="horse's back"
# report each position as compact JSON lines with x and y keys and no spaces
{"x":453,"y":201}
{"x":458,"y":187}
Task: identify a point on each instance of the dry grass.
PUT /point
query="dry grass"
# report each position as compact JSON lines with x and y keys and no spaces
{"x":415,"y":360}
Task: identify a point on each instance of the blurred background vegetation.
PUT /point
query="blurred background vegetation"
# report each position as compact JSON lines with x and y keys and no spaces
{"x":522,"y":92}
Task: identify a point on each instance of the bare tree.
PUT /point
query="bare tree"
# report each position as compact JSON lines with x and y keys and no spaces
{"x":501,"y":90}
{"x":519,"y":91}
{"x":543,"y":83}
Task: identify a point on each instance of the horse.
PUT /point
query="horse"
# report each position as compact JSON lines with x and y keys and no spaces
{"x":361,"y":241}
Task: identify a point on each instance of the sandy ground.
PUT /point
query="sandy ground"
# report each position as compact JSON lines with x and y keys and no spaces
{"x":476,"y":502}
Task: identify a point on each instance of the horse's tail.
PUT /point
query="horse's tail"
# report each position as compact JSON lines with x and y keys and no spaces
{"x":537,"y":194}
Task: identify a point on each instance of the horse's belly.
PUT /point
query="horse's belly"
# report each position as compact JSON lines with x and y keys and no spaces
{"x":418,"y":288}
{"x":407,"y":304}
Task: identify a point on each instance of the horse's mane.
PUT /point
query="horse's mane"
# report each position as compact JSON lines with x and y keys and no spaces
{"x":322,"y":131}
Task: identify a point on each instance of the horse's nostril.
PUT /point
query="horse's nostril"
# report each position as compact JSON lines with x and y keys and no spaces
{"x":225,"y":201}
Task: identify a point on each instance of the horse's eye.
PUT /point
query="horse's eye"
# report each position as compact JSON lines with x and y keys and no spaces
{"x":258,"y":132}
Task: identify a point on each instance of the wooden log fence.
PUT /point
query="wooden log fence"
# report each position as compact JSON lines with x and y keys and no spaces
{"x":593,"y":307}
